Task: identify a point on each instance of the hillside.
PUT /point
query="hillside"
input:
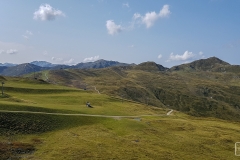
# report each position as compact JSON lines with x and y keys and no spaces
{"x":53,"y":121}
{"x":2,"y":68}
{"x":198,"y":93}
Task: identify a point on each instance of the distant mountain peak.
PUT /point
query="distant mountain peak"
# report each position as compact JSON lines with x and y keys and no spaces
{"x":43,"y":64}
{"x":101,"y":63}
{"x":202,"y":64}
{"x":215,"y":60}
{"x":150,"y":66}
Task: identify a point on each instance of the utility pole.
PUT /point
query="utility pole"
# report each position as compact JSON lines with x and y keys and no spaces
{"x":2,"y":88}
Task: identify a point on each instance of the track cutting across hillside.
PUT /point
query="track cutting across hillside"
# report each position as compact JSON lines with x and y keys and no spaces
{"x":86,"y":115}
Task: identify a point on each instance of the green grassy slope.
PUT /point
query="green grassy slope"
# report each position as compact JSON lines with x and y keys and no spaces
{"x":33,"y":95}
{"x":198,"y":93}
{"x":39,"y":136}
{"x":175,"y":137}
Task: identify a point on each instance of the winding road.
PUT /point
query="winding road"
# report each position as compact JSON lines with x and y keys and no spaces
{"x":87,"y":115}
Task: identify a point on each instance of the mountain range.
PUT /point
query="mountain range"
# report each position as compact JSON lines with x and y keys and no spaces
{"x":8,"y":69}
{"x":210,"y":64}
{"x":7,"y":64}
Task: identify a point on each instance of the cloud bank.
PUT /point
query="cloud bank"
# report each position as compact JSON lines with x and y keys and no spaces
{"x":185,"y":56}
{"x":91,"y":59}
{"x":57,"y":59}
{"x":9,"y":51}
{"x":69,"y":62}
{"x":61,"y":60}
{"x":47,"y":13}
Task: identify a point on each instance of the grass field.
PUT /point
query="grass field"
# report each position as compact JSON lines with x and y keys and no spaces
{"x":41,"y":137}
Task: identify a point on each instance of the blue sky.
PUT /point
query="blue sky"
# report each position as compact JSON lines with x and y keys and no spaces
{"x":168,"y":32}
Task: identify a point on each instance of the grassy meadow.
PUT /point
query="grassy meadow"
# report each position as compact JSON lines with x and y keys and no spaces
{"x":42,"y":136}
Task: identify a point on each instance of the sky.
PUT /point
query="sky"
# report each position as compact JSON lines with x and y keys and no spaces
{"x":168,"y":32}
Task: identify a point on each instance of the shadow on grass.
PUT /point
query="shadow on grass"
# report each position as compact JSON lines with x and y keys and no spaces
{"x":12,"y":107}
{"x":25,"y":123}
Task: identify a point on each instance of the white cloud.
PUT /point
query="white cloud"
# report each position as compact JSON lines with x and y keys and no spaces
{"x":9,"y":51}
{"x":185,"y":56}
{"x":45,"y":53}
{"x":126,"y":5}
{"x":165,"y":12}
{"x":132,"y":46}
{"x":201,"y":54}
{"x":159,"y":56}
{"x":69,"y":62}
{"x":61,"y":60}
{"x":29,"y":32}
{"x":26,"y":37}
{"x":136,"y":16}
{"x":151,"y":17}
{"x":91,"y":59}
{"x":113,"y":28}
{"x":47,"y":12}
{"x":57,"y":59}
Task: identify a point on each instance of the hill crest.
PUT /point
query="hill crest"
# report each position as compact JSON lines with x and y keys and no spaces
{"x":202,"y":64}
{"x":150,"y":66}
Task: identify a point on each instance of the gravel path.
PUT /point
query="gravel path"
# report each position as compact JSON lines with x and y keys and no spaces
{"x":87,"y":115}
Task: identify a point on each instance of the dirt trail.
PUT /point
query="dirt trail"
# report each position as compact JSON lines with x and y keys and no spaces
{"x":87,"y":115}
{"x":96,"y":89}
{"x":169,"y":112}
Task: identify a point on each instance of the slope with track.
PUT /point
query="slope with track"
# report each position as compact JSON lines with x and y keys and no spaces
{"x":199,"y":93}
{"x":65,"y":128}
{"x":87,"y":115}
